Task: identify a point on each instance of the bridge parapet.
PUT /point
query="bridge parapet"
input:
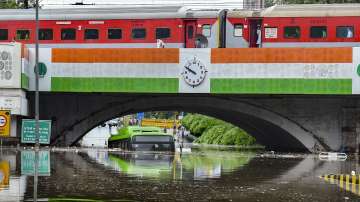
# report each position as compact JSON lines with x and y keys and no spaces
{"x":216,"y":71}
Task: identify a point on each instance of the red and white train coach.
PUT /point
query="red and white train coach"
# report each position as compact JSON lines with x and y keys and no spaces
{"x":330,"y":25}
{"x":176,"y":26}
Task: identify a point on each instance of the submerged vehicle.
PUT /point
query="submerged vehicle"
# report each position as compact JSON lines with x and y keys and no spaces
{"x":137,"y":138}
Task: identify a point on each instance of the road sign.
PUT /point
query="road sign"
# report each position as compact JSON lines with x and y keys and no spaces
{"x":4,"y":123}
{"x":28,"y":163}
{"x":28,"y":131}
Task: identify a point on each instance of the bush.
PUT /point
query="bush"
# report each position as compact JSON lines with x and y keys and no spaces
{"x":214,"y":131}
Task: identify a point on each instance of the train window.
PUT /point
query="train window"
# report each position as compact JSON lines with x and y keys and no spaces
{"x":114,"y":33}
{"x":45,"y":34}
{"x":68,"y":34}
{"x":22,"y":34}
{"x":292,"y":32}
{"x":91,"y":34}
{"x":138,"y":33}
{"x":318,"y":32}
{"x":4,"y":34}
{"x":162,"y":33}
{"x":238,"y":30}
{"x":345,"y":32}
{"x":206,"y":30}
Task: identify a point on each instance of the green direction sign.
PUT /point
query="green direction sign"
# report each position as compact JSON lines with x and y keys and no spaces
{"x":28,"y":131}
{"x":28,"y":163}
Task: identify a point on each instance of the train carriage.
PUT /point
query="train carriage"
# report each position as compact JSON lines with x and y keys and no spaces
{"x":330,"y":25}
{"x":127,"y":27}
{"x":307,"y":25}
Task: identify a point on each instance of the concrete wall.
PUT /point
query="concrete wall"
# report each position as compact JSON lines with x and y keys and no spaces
{"x":281,"y":123}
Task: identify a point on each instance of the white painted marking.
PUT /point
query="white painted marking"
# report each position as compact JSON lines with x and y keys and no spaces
{"x":96,"y":22}
{"x":143,"y":70}
{"x":3,"y":121}
{"x":288,"y":70}
{"x":63,"y":22}
{"x":355,"y":76}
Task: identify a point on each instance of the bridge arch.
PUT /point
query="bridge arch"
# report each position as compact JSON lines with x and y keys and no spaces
{"x":269,"y":128}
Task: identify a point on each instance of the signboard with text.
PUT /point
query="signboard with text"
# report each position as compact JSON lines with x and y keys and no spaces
{"x":28,"y":163}
{"x":28,"y":131}
{"x":4,"y":123}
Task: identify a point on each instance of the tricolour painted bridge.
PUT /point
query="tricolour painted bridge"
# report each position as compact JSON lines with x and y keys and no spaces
{"x":288,"y":98}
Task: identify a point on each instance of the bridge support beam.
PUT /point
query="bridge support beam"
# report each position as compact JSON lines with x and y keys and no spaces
{"x":280,"y":123}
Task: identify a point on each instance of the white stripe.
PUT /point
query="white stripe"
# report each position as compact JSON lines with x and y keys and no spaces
{"x":105,"y":45}
{"x":309,"y":44}
{"x":143,"y":70}
{"x":356,"y":77}
{"x":291,"y":70}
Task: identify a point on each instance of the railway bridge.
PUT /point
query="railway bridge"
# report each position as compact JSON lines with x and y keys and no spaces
{"x":288,"y":98}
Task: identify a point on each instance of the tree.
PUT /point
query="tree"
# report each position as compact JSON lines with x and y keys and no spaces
{"x":8,"y":4}
{"x":14,"y":4}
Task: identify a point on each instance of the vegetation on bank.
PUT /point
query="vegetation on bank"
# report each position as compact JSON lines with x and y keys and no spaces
{"x":214,"y":131}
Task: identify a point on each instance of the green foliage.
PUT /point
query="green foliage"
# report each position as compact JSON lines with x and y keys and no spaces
{"x":14,"y":4}
{"x":211,"y":159}
{"x":214,"y":131}
{"x":8,"y":4}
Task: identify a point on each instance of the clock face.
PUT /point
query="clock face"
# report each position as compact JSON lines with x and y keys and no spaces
{"x":194,"y":72}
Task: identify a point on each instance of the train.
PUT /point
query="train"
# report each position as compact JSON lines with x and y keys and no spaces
{"x":306,"y":25}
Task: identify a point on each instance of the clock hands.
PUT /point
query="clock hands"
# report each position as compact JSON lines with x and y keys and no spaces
{"x":190,"y":70}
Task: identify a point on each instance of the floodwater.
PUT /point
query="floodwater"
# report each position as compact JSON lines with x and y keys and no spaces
{"x":201,"y":175}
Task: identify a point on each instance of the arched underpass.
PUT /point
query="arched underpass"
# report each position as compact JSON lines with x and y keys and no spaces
{"x":272,"y":130}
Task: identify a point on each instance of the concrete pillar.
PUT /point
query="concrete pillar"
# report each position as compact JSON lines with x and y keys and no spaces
{"x":358,"y":135}
{"x":349,"y":130}
{"x":13,"y":126}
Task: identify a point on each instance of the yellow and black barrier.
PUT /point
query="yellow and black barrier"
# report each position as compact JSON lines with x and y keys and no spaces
{"x":344,"y":181}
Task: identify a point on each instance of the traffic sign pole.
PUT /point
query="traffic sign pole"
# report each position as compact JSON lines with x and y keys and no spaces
{"x":37,"y":135}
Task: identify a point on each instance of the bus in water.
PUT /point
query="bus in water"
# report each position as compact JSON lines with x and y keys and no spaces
{"x":142,"y":138}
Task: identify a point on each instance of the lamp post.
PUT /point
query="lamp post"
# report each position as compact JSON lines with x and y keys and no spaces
{"x":37,"y":135}
{"x":37,"y":75}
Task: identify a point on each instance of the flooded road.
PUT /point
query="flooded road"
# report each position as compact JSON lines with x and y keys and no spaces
{"x":202,"y":175}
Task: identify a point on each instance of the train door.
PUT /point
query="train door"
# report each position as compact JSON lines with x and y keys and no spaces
{"x":190,"y":31}
{"x":254,"y":35}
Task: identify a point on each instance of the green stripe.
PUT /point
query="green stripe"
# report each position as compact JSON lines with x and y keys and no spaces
{"x":281,"y":86}
{"x":140,"y":85}
{"x":24,"y":81}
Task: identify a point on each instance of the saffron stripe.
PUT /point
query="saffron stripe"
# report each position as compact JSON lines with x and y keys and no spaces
{"x":115,"y":55}
{"x":281,"y":55}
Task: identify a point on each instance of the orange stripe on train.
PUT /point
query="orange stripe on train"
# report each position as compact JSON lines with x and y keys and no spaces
{"x":281,"y":55}
{"x":115,"y":55}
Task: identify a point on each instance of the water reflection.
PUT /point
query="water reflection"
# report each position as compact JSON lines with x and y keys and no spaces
{"x":4,"y":174}
{"x":12,"y":184}
{"x":157,"y":165}
{"x":203,"y":175}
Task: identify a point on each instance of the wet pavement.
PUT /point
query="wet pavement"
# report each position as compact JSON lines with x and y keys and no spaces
{"x":199,"y":175}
